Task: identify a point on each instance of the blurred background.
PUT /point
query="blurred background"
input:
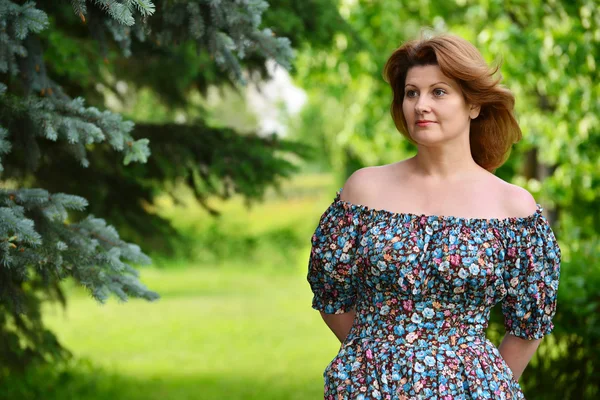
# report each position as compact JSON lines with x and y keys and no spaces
{"x":256,"y":112}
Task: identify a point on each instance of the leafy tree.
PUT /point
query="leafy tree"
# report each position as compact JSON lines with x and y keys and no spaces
{"x":549,"y":53}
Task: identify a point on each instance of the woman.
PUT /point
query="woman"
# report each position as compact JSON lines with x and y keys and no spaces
{"x":410,"y":257}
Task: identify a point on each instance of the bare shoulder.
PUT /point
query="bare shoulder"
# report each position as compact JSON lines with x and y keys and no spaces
{"x":519,"y":202}
{"x":360,"y":187}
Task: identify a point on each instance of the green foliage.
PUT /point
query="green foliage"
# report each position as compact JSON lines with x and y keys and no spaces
{"x":574,"y":371}
{"x":307,"y":23}
{"x":548,"y":54}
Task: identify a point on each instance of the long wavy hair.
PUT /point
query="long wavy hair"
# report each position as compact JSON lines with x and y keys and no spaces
{"x":495,"y":130}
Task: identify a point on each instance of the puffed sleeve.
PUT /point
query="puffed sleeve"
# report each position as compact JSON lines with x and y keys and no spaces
{"x":531,"y":274}
{"x":333,"y":261}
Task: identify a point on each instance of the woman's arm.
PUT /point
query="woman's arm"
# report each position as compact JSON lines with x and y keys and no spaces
{"x":517,"y":352}
{"x":339,"y":324}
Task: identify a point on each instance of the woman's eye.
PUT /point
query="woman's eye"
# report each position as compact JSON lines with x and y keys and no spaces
{"x":439,"y":92}
{"x":411,"y":93}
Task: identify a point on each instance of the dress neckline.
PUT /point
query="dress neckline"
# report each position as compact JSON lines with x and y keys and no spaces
{"x":446,"y":218}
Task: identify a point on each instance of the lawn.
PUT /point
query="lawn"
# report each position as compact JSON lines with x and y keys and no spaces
{"x":214,"y":334}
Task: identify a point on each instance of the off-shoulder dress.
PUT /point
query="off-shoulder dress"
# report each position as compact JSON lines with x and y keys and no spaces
{"x":422,"y":287}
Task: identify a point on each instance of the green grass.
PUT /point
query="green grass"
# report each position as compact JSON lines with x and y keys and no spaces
{"x":215,"y":334}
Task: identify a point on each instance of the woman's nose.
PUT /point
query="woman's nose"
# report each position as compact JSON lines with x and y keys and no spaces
{"x":421,"y":105}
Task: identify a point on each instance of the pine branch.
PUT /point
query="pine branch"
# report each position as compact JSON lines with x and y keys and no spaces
{"x":16,"y":22}
{"x":228,"y":29}
{"x":146,"y":8}
{"x":21,"y":19}
{"x":120,"y":12}
{"x":34,"y":232}
{"x":80,"y":8}
{"x":5,"y":145}
{"x":70,"y":121}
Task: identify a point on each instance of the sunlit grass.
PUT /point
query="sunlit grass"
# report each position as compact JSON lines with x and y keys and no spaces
{"x":231,"y":331}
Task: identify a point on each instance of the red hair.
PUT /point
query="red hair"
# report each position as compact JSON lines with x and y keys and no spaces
{"x":494,"y":131}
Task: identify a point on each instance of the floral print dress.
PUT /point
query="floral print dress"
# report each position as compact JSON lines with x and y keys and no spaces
{"x":422,"y":288}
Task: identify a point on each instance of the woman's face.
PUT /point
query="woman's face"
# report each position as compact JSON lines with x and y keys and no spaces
{"x":434,"y":107}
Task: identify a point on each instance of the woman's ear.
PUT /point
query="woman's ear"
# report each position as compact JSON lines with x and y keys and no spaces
{"x":474,"y":112}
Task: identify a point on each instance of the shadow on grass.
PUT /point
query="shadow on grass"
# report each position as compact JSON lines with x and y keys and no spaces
{"x":82,"y":380}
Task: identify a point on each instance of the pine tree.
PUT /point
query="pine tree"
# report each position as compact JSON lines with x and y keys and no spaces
{"x":171,"y":62}
{"x":41,"y":127}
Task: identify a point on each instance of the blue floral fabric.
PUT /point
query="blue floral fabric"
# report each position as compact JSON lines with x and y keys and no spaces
{"x":422,"y":288}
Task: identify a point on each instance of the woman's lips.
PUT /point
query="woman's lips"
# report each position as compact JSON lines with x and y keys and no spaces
{"x":425,"y":123}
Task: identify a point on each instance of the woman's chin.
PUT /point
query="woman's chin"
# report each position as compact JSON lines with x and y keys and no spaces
{"x":425,"y":137}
